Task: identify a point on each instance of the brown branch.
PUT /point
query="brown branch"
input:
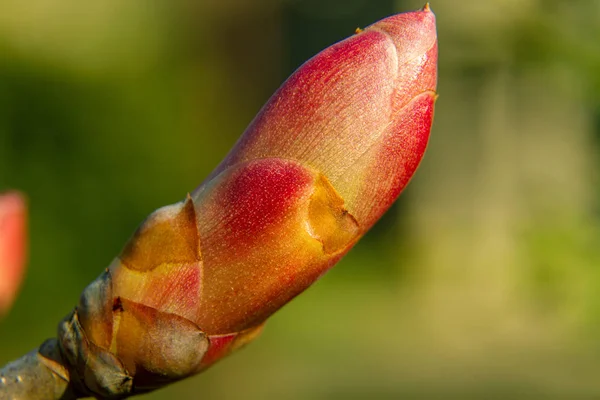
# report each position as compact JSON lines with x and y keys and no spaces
{"x":41,"y":374}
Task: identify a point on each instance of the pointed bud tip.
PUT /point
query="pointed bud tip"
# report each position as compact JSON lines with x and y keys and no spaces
{"x":413,"y":33}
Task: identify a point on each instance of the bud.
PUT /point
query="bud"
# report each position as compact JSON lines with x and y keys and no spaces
{"x":323,"y":160}
{"x":13,"y":237}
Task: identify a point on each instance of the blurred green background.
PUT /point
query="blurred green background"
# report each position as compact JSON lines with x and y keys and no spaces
{"x":482,"y":282}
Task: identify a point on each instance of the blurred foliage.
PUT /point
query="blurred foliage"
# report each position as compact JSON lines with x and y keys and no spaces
{"x":482,"y":282}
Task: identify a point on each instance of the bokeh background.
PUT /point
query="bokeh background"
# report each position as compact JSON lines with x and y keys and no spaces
{"x":482,"y":282}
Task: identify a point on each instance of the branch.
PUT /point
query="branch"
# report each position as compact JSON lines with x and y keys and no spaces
{"x":40,"y":374}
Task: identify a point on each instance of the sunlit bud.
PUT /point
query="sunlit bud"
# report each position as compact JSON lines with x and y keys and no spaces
{"x":323,"y":160}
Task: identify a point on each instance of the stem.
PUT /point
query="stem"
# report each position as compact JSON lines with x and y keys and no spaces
{"x":41,"y":374}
